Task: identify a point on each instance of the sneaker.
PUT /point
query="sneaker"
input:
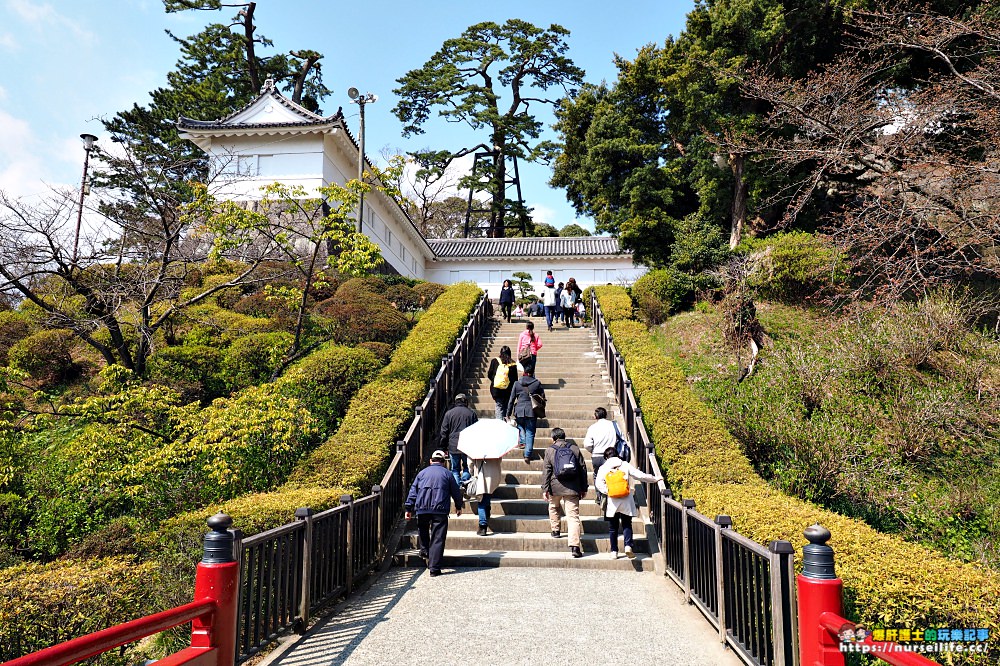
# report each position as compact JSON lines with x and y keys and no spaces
{"x":482,"y":530}
{"x":613,"y":555}
{"x":435,"y":572}
{"x":629,"y":553}
{"x":527,"y":460}
{"x":423,"y":556}
{"x":520,"y":446}
{"x":555,"y":534}
{"x":574,"y":551}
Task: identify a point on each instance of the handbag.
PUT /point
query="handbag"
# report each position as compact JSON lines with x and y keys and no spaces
{"x":538,"y":405}
{"x":471,"y":487}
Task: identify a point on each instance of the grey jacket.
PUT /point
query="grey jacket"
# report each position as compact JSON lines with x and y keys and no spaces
{"x":563,"y":487}
{"x":520,"y":397}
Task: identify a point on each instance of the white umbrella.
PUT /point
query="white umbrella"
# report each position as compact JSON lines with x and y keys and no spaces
{"x":487,"y":438}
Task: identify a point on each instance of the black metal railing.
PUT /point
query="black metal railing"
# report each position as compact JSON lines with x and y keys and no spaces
{"x":745,"y":590}
{"x":290,"y":573}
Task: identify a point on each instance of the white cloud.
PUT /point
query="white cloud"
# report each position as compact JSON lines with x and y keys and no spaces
{"x":8,"y":42}
{"x":44,"y":17}
{"x":3,"y":93}
{"x":20,"y":164}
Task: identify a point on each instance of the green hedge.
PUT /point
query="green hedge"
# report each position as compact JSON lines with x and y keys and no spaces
{"x":347,"y":462}
{"x":888,"y":582}
{"x":44,"y":604}
{"x":325,"y":381}
{"x":358,"y":453}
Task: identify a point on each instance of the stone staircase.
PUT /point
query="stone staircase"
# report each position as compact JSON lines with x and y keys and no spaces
{"x":575,"y":380}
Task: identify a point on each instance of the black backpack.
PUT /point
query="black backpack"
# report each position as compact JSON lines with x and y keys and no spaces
{"x":565,"y":463}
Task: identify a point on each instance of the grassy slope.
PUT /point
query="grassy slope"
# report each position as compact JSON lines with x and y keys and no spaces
{"x":947,"y":504}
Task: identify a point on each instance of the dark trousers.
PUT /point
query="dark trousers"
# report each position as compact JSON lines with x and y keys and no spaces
{"x":620,"y":520}
{"x":568,"y":314}
{"x":505,"y":310}
{"x":433,"y":530}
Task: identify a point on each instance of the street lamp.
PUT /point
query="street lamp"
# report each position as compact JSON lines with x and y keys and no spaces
{"x":88,"y":145}
{"x":361,"y":100}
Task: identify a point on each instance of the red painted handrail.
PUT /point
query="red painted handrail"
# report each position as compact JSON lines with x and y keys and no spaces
{"x":887,"y":651}
{"x":94,"y":644}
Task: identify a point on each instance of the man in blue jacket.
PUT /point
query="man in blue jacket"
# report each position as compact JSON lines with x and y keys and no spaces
{"x":430,"y":498}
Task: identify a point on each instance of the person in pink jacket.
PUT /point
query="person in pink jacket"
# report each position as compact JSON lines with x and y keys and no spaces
{"x":528,"y":340}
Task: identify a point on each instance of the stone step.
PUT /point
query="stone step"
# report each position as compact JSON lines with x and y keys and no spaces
{"x":540,"y":559}
{"x":526,"y":524}
{"x":539,"y":507}
{"x":569,"y":394}
{"x":506,"y":542}
{"x":580,"y":416}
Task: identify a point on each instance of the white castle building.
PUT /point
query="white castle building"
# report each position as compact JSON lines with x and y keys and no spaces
{"x":273,"y":139}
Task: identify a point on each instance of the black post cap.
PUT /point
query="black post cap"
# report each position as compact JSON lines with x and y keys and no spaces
{"x":346,"y":499}
{"x":781,"y":547}
{"x":304,"y":512}
{"x":724,"y":521}
{"x":817,"y":557}
{"x":688,"y":503}
{"x":219,"y":542}
{"x":376,"y":489}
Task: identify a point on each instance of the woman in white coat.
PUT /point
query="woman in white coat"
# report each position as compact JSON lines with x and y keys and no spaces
{"x":487,"y":474}
{"x":620,"y":510}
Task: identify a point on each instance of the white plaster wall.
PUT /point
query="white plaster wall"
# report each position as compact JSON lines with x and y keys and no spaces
{"x":489,"y":274}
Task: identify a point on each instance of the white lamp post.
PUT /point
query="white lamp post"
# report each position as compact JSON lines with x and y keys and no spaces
{"x":361,"y":100}
{"x":88,"y":145}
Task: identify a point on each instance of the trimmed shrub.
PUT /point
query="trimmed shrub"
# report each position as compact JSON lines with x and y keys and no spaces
{"x":41,"y":605}
{"x":382,"y":350}
{"x":214,"y":326}
{"x":429,"y":292}
{"x":14,"y":327}
{"x":888,"y":582}
{"x":659,"y":293}
{"x":195,"y":371}
{"x":45,"y":356}
{"x":363,"y":317}
{"x":403,"y":298}
{"x":264,"y":305}
{"x":326,"y":380}
{"x":355,"y":456}
{"x":253,"y":359}
{"x":792,"y":265}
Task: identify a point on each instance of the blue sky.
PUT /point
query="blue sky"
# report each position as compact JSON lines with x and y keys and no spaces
{"x":67,"y":63}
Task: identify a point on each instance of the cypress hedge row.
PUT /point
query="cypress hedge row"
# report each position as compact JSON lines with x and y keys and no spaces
{"x":888,"y":582}
{"x":41,"y":604}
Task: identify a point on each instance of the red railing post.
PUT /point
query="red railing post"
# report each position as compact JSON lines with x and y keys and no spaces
{"x":819,"y":592}
{"x":218,"y":579}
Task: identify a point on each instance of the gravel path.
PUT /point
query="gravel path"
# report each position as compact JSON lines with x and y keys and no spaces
{"x":512,"y":616}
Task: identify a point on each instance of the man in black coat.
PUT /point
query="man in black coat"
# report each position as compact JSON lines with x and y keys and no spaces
{"x":455,"y":420}
{"x":430,"y":499}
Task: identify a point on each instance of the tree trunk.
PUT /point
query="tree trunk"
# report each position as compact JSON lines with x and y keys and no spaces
{"x":499,"y":195}
{"x":739,"y":212}
{"x":248,"y":30}
{"x":300,"y":78}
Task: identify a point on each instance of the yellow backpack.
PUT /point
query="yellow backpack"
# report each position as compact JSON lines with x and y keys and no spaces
{"x":501,"y":379}
{"x":617,"y":481}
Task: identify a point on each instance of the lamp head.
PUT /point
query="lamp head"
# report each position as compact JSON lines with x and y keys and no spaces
{"x":353,"y":93}
{"x":88,"y":141}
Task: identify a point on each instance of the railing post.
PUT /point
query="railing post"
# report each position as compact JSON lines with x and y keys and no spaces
{"x":218,"y":578}
{"x":349,"y":502}
{"x":819,"y":591}
{"x":305,"y":514}
{"x":419,"y":416}
{"x":688,"y":504}
{"x":722,"y":522}
{"x":377,"y":491}
{"x":782,"y":601}
{"x":401,"y":446}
